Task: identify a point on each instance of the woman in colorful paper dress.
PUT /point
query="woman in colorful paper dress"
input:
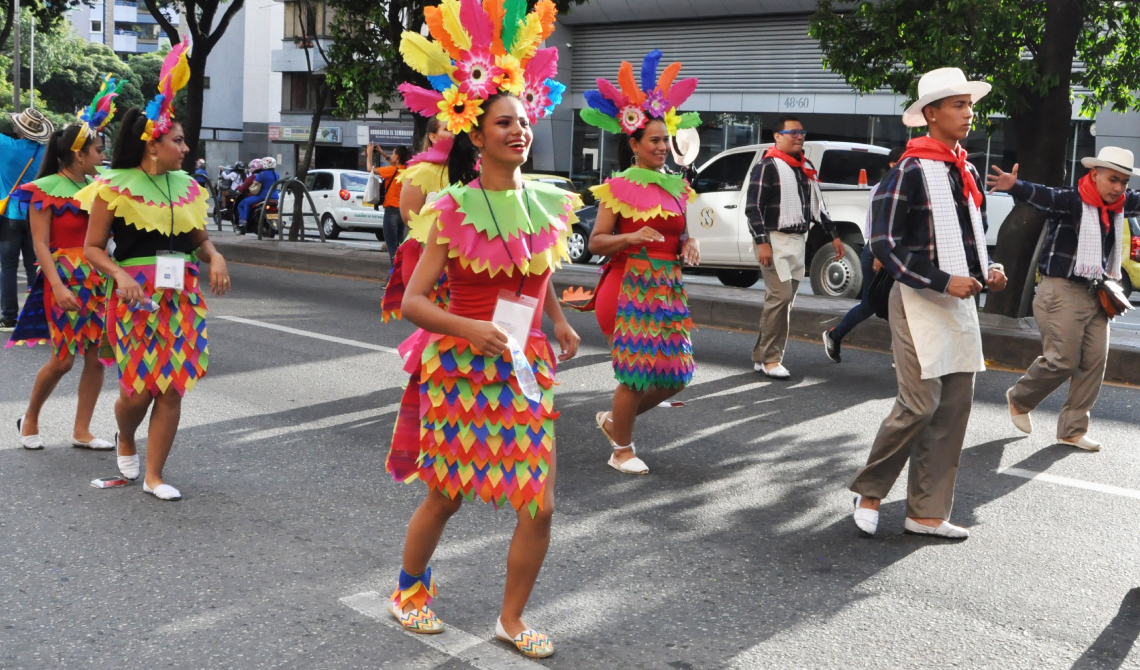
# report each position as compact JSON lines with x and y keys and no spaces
{"x":426,"y":175}
{"x":640,"y":301}
{"x":156,"y":316}
{"x":477,"y":419}
{"x":67,"y":302}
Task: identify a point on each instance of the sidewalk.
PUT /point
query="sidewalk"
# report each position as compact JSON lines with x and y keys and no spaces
{"x":1008,"y":343}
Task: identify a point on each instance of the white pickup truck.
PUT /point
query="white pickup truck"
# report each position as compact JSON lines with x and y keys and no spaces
{"x":717,"y":217}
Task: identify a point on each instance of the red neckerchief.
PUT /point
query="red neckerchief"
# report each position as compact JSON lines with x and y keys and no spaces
{"x":800,"y":162}
{"x":931,"y":149}
{"x":1091,"y":196}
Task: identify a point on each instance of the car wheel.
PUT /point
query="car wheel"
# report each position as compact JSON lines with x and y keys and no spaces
{"x":579,"y":246}
{"x":332,"y":231}
{"x":1126,"y":283}
{"x":841,"y":278}
{"x":738,"y":278}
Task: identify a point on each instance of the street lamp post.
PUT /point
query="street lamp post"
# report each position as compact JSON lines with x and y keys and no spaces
{"x":16,"y":56}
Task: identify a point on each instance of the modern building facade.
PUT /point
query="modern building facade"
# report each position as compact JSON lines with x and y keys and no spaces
{"x":126,"y":25}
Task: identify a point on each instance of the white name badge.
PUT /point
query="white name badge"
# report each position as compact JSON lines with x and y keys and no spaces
{"x":170,"y":272}
{"x":514,"y":314}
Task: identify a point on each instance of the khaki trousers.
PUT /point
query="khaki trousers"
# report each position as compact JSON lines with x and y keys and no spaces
{"x":926,"y":425}
{"x":776,"y":317}
{"x":1074,"y":343}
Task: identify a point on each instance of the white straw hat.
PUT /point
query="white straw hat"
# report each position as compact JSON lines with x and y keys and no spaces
{"x":32,"y":125}
{"x":1113,"y":158}
{"x":942,"y":83}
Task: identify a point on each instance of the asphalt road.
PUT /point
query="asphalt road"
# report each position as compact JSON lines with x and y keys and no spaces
{"x":737,"y":551}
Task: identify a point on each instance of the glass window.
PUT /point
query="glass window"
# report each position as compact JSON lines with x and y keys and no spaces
{"x":841,"y":166}
{"x":353,"y":182}
{"x":96,"y":26}
{"x":319,"y":181}
{"x":727,"y":173}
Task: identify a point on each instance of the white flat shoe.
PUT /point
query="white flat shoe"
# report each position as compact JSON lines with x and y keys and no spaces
{"x":1086,"y":443}
{"x":634,"y":466}
{"x":128,"y":465}
{"x":1022,"y":422}
{"x":530,"y":642}
{"x":866,"y":519}
{"x":778,"y":372}
{"x":96,"y":444}
{"x":945,"y":529}
{"x":163,"y":492}
{"x":29,"y":442}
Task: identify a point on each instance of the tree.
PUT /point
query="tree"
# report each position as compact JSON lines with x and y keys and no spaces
{"x":205,"y":28}
{"x":1026,"y":50}
{"x":46,"y":12}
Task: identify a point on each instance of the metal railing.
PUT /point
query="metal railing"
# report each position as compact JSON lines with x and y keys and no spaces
{"x":296,"y":186}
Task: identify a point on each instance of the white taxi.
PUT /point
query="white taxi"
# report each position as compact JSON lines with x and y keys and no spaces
{"x":338,"y":196}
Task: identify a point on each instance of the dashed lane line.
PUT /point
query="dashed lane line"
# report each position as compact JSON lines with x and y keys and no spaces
{"x":485,"y":654}
{"x":307,"y":333}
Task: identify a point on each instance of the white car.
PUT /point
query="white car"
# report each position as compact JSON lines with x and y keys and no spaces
{"x":338,"y":196}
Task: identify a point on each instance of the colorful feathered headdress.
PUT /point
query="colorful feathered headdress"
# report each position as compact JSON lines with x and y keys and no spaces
{"x":95,"y":117}
{"x":630,"y":108}
{"x":480,"y":49}
{"x":172,"y":78}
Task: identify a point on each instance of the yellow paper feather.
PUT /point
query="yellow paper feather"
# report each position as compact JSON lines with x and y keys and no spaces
{"x":433,"y":17}
{"x":527,"y":38}
{"x":495,"y":11}
{"x":668,"y":77}
{"x":454,"y":26}
{"x":180,"y":74}
{"x":424,"y":56}
{"x":547,"y":12}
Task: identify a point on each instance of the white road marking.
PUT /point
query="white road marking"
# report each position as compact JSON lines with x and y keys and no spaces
{"x":1073,"y":483}
{"x":485,"y":654}
{"x":306,"y":333}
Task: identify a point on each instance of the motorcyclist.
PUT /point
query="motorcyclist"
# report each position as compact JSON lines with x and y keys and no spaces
{"x":231,"y":180}
{"x":265,"y":175}
{"x":200,"y":174}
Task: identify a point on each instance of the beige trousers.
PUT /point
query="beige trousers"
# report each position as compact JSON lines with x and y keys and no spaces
{"x":926,"y":425}
{"x":1074,"y":343}
{"x":776,"y":317}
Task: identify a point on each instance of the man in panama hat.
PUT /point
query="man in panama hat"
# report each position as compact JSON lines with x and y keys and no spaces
{"x":1083,"y":245}
{"x":19,"y":163}
{"x":928,"y":222}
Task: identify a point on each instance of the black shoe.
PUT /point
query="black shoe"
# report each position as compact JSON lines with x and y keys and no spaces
{"x":7,"y":325}
{"x":831,"y":346}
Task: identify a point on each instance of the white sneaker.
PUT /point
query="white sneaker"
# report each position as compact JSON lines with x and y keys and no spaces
{"x":945,"y":529}
{"x":866,"y":519}
{"x":163,"y":492}
{"x":1085,"y":442}
{"x":778,"y":372}
{"x":1022,"y":422}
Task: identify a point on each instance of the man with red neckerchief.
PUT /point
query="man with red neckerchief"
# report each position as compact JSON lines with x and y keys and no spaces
{"x":783,"y":200}
{"x":1082,"y":245}
{"x":928,"y":230}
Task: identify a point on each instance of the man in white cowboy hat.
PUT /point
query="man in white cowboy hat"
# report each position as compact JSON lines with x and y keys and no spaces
{"x":1082,"y":246}
{"x":928,"y":224}
{"x":19,"y":163}
{"x":784,"y":199}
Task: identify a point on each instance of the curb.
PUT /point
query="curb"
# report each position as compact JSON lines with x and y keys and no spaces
{"x":1013,"y":347}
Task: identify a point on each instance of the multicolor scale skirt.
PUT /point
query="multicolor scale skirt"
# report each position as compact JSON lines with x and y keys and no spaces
{"x":465,"y":428}
{"x":70,"y":333}
{"x":652,"y":347}
{"x":407,"y":255}
{"x":165,"y":348}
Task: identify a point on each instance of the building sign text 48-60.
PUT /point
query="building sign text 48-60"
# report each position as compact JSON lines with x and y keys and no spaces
{"x":797,"y":103}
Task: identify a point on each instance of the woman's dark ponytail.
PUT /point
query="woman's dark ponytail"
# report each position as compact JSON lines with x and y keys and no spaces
{"x":59,"y":154}
{"x":130,"y":148}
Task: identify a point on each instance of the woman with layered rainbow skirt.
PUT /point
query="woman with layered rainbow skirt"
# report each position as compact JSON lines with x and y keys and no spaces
{"x":640,"y":301}
{"x":425,"y":176}
{"x":67,"y":303}
{"x":477,"y":420}
{"x":156,"y":316}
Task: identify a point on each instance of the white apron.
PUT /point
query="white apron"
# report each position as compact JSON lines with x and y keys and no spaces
{"x":945,"y":331}
{"x":788,"y":255}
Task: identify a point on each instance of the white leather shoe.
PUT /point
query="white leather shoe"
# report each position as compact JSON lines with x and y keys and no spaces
{"x":96,"y":444}
{"x":29,"y":442}
{"x":866,"y":519}
{"x":634,"y":466}
{"x":778,"y":372}
{"x":1085,"y":442}
{"x":1022,"y":422}
{"x":945,"y":529}
{"x":163,"y":492}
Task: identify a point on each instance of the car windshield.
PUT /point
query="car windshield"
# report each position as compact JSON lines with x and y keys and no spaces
{"x":354,"y":183}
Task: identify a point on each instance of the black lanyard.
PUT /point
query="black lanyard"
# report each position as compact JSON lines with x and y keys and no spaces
{"x":499,"y":232}
{"x":169,"y":202}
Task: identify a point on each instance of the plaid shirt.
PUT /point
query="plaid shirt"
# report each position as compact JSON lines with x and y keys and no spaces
{"x":763,"y":208}
{"x":902,"y":227}
{"x":1063,"y":209}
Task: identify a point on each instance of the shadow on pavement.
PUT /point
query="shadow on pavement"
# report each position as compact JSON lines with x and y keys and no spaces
{"x":1111,"y":648}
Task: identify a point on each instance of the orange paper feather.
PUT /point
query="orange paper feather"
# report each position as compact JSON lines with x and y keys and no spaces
{"x":433,"y":17}
{"x":547,"y":12}
{"x":668,"y":76}
{"x":494,"y":9}
{"x":629,"y":85}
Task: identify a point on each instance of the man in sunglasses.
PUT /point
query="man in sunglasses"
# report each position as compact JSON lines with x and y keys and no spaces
{"x":783,"y":200}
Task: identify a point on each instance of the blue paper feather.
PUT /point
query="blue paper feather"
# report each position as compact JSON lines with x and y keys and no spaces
{"x":441,"y":82}
{"x":649,"y":70}
{"x":601,"y":103}
{"x":557,"y":88}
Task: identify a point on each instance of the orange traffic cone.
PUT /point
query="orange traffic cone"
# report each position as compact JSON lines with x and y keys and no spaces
{"x":863,"y":177}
